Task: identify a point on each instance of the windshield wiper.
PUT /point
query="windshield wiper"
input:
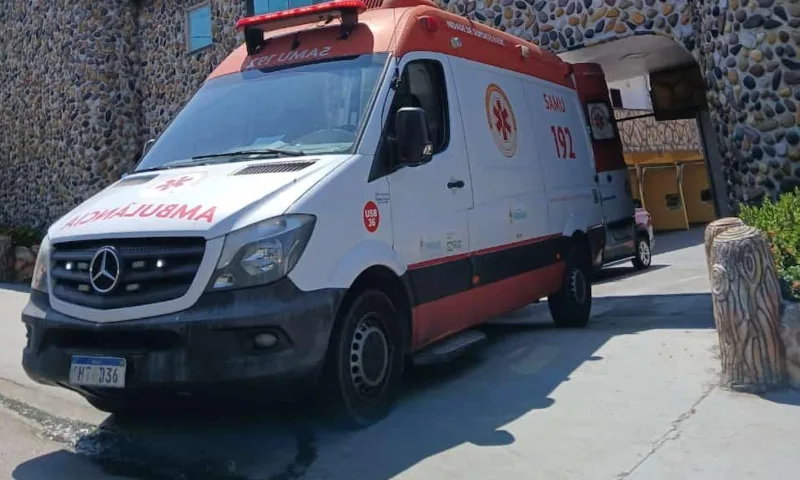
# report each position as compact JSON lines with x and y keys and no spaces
{"x":192,"y":162}
{"x":263,"y":151}
{"x":153,"y":169}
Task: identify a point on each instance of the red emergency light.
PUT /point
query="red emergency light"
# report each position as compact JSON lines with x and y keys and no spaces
{"x":254,"y":27}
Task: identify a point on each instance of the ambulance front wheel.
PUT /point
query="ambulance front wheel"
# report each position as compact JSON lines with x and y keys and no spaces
{"x":571,"y":306}
{"x":365,"y":360}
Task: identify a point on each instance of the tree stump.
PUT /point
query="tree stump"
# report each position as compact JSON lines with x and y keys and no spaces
{"x":6,"y":259}
{"x":747,"y":310}
{"x":715,"y":228}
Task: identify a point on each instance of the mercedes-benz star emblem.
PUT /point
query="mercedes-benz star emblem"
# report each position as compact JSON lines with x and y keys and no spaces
{"x":104,"y":271}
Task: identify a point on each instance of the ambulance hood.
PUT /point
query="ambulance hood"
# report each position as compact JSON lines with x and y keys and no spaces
{"x":208,"y":201}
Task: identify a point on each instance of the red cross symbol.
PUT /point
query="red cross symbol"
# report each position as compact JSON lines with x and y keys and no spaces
{"x":599,"y":119}
{"x":174,"y":183}
{"x":501,"y":120}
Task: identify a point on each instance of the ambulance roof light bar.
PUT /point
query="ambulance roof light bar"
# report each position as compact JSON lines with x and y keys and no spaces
{"x":254,"y":27}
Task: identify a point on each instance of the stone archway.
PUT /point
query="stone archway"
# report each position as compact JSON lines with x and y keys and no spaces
{"x":746,"y":50}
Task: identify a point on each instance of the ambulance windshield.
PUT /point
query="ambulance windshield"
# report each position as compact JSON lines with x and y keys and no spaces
{"x":314,"y":109}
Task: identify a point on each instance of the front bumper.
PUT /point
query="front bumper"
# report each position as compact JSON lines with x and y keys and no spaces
{"x":206,"y":347}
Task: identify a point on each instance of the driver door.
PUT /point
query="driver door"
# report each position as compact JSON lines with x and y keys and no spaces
{"x":430,"y":202}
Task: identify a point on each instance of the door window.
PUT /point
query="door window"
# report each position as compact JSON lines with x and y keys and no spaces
{"x":422,"y":84}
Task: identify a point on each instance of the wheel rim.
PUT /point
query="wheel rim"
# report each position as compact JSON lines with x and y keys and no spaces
{"x":369,"y":356}
{"x":644,"y":252}
{"x":578,"y":281}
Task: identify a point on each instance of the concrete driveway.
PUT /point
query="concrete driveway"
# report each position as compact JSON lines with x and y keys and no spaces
{"x":631,"y":396}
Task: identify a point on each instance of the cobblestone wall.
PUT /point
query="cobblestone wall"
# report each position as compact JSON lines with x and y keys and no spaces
{"x":85,"y":83}
{"x":68,"y":111}
{"x":170,"y":75}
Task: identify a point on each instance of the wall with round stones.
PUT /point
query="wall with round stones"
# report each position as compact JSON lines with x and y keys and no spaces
{"x":170,"y":75}
{"x":86,"y":83}
{"x":68,"y":110}
{"x":748,"y":53}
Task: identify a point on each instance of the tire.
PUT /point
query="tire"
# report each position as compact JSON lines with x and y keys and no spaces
{"x":362,"y":394}
{"x":571,"y":306}
{"x":643,"y":256}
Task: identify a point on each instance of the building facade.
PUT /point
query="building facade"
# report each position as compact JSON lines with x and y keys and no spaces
{"x":85,"y":84}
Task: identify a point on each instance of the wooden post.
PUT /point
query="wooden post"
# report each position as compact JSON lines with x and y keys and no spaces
{"x":6,"y":259}
{"x":679,"y":173}
{"x":715,"y":228}
{"x":747,"y":304}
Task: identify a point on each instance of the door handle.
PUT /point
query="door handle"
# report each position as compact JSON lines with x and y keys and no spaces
{"x":455,"y":184}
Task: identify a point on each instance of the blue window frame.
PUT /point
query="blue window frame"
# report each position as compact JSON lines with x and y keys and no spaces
{"x":199,"y":27}
{"x":268,"y":6}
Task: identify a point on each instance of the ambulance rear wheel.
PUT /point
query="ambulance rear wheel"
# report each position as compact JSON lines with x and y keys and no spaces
{"x":572,"y":305}
{"x":643,"y":256}
{"x":365,"y":360}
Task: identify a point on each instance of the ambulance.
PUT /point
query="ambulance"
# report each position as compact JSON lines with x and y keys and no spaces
{"x":352,"y":191}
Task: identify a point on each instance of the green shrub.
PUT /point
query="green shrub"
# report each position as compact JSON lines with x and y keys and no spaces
{"x":780,"y":221}
{"x":22,"y":236}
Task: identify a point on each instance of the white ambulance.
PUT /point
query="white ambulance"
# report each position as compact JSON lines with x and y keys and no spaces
{"x":354,"y":188}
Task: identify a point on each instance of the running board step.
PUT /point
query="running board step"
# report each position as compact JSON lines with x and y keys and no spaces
{"x":450,"y":348}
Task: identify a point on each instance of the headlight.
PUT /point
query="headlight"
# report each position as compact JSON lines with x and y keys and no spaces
{"x":262,"y":253}
{"x":39,"y":280}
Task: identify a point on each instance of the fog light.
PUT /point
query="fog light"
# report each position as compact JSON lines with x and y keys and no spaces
{"x":265,"y":340}
{"x":224,"y":281}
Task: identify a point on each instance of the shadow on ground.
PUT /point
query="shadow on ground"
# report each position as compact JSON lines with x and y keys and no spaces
{"x":470,"y":400}
{"x":16,"y":287}
{"x":67,"y":465}
{"x":667,"y":242}
{"x":785,"y":397}
{"x":613,"y":273}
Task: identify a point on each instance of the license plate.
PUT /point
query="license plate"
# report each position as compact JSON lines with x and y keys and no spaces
{"x":98,"y":371}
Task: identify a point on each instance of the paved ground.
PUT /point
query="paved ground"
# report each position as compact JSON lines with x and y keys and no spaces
{"x":631,"y":396}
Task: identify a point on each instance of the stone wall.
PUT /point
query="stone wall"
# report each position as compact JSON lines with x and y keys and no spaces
{"x":170,"y":75}
{"x":67,"y":105}
{"x":648,"y":135}
{"x":86,"y":83}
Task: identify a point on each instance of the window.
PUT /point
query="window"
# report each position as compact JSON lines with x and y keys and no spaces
{"x":705,"y":195}
{"x":673,"y":201}
{"x":199,"y":27}
{"x":422,"y":85}
{"x":267,"y":6}
{"x":315,"y":108}
{"x":601,"y":121}
{"x":616,"y":98}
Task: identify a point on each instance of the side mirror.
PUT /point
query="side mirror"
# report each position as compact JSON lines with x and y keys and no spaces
{"x":414,"y":146}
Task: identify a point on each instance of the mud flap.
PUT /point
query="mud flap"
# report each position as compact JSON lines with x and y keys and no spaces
{"x":597,"y":244}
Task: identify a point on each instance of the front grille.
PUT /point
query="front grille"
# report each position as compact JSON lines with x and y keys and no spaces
{"x":151,"y":270}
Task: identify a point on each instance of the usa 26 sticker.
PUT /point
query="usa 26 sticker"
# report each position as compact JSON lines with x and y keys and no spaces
{"x":372,"y":217}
